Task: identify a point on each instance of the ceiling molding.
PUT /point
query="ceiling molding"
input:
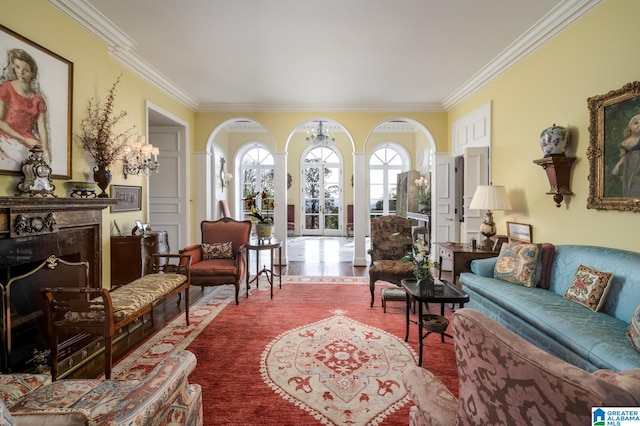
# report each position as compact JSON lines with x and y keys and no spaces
{"x":121,"y":49}
{"x":389,"y":107}
{"x":551,"y":24}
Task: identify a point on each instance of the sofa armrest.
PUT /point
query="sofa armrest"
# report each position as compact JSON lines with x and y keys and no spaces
{"x":435,"y":404}
{"x":14,"y":386}
{"x":169,"y":378}
{"x":484,"y":267}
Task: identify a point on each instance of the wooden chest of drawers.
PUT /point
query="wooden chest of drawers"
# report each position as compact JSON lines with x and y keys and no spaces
{"x":129,"y":255}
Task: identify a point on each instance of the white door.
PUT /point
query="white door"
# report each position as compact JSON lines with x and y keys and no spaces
{"x":168,"y":199}
{"x":445,"y":227}
{"x":322,"y":193}
{"x":476,"y":172}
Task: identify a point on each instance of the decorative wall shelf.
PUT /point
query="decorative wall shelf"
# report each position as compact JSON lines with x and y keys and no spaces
{"x":558,"y":168}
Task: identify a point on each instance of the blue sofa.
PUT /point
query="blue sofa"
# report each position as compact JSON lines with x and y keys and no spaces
{"x":587,"y":339}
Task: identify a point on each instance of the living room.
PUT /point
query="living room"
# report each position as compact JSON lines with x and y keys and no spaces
{"x":549,"y":85}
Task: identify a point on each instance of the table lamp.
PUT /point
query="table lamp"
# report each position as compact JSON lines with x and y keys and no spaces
{"x":489,"y":197}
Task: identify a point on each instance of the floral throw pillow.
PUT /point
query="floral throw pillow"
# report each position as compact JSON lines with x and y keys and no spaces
{"x":589,"y":287}
{"x":217,"y":251}
{"x":634,"y":329}
{"x":518,"y":263}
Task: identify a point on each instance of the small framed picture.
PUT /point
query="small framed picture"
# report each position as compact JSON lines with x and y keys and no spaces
{"x":129,"y":198}
{"x":519,"y":232}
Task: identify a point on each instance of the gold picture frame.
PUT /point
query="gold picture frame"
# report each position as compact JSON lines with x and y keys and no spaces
{"x":519,"y":232}
{"x":613,"y":152}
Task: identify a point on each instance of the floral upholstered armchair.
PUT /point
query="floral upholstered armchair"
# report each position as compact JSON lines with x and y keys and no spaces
{"x":506,"y":380}
{"x":163,"y":397}
{"x":220,"y":259}
{"x":391,"y":239}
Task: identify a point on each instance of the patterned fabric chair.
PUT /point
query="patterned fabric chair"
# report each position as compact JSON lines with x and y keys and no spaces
{"x":506,"y":380}
{"x":163,"y":397}
{"x":220,"y":269}
{"x":390,"y":240}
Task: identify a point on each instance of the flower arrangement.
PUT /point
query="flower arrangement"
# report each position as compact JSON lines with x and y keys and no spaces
{"x":266,"y":204}
{"x":424,"y":190}
{"x":98,"y":137}
{"x":422,"y":263}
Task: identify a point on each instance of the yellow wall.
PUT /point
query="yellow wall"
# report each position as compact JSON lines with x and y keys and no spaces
{"x":591,"y":57}
{"x":94,"y":74}
{"x":594,"y":55}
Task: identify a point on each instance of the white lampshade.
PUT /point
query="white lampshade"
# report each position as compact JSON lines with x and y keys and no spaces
{"x":490,"y":197}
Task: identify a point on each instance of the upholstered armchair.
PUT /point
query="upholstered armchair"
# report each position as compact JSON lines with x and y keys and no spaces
{"x":506,"y":380}
{"x":220,"y":258}
{"x":391,"y":239}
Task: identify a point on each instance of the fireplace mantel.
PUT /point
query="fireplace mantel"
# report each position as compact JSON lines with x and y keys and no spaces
{"x":32,"y":229}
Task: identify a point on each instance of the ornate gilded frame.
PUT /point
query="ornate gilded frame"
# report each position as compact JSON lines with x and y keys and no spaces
{"x":609,"y":115}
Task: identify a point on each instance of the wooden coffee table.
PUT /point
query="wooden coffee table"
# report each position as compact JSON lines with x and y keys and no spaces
{"x":450,"y":294}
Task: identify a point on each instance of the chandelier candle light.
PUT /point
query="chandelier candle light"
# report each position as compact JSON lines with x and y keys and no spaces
{"x":320,"y":136}
{"x":137,"y":158}
{"x":489,"y":197}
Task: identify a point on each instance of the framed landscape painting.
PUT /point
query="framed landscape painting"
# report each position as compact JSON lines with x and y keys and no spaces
{"x":36,"y":90}
{"x":614,"y":149}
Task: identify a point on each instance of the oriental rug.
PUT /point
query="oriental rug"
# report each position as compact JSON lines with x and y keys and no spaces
{"x":238,"y":347}
{"x":338,"y":370}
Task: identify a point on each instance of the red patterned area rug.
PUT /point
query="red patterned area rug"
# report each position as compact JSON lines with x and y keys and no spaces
{"x":249,"y":372}
{"x":235,"y":350}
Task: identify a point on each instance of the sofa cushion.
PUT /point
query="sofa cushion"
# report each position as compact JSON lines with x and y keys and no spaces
{"x":634,"y":329}
{"x":589,"y":287}
{"x":518,"y":264}
{"x":217,"y":250}
{"x":559,"y":319}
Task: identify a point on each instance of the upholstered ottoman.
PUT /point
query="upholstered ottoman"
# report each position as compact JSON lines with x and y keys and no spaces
{"x":396,"y":294}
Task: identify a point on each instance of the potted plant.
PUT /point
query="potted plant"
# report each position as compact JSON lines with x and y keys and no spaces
{"x":423,"y":197}
{"x":264,"y":221}
{"x":99,"y":138}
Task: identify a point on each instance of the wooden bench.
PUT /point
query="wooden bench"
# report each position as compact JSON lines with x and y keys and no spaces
{"x":97,"y":311}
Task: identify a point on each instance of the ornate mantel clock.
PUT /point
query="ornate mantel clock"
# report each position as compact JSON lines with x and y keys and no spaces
{"x":35,"y":179}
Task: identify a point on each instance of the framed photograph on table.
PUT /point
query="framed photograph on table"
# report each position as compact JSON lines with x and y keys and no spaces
{"x":129,"y":198}
{"x":49,"y":89}
{"x":614,"y":149}
{"x":519,"y":232}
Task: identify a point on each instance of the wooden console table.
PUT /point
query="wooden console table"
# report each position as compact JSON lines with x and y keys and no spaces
{"x":461,"y":256}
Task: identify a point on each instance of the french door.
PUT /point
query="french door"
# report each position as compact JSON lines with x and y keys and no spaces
{"x":322,"y":192}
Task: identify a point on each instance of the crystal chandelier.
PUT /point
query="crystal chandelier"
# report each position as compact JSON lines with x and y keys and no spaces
{"x":320,"y":137}
{"x":137,"y":158}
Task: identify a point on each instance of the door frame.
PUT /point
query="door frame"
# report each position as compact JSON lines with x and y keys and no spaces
{"x":159,"y":117}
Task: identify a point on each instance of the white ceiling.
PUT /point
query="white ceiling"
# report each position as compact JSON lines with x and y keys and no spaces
{"x":331,"y":55}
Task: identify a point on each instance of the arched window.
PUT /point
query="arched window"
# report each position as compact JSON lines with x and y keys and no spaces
{"x":384,"y":165}
{"x":256,"y":169}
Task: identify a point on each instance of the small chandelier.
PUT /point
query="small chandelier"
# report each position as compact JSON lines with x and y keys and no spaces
{"x":137,"y":158}
{"x":320,"y":137}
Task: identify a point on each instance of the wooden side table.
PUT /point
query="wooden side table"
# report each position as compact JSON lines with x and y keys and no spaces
{"x":258,"y":246}
{"x":461,"y":256}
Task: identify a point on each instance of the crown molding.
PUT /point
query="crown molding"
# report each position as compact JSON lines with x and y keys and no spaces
{"x":542,"y":31}
{"x":121,"y":49}
{"x":389,"y":107}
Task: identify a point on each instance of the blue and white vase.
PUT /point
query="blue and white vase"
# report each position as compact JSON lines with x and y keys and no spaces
{"x":553,"y":140}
